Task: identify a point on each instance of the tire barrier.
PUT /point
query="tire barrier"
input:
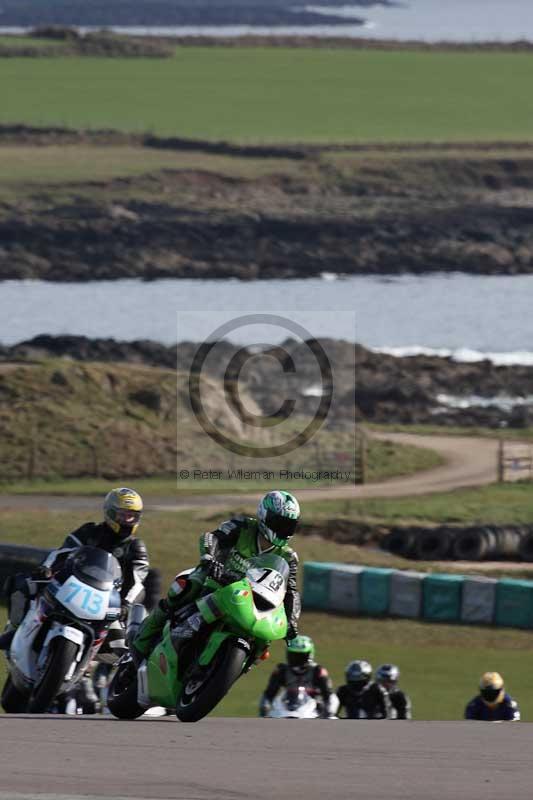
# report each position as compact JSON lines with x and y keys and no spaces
{"x":369,"y":591}
{"x":526,"y":547}
{"x":434,"y":545}
{"x":402,"y":542}
{"x":472,"y":543}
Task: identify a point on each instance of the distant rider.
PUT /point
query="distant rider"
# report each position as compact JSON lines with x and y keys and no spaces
{"x":388,"y":675}
{"x":301,"y":670}
{"x":361,"y":697}
{"x":228,"y":548}
{"x":116,"y":534}
{"x":492,"y":704}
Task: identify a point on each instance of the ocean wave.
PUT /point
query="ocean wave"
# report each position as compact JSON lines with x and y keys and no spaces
{"x":462,"y":354}
{"x":503,"y":402}
{"x":344,"y":12}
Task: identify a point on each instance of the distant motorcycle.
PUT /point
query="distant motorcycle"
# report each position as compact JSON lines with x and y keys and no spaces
{"x":62,"y":631}
{"x":297,"y":703}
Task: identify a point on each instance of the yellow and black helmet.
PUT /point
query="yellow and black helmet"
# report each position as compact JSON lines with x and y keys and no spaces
{"x":122,"y":511}
{"x":491,"y":688}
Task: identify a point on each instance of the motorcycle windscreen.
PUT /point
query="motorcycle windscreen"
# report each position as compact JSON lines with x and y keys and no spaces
{"x":268,"y":575}
{"x":96,"y":567}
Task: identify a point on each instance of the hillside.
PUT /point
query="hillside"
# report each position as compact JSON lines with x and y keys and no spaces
{"x":61,"y":418}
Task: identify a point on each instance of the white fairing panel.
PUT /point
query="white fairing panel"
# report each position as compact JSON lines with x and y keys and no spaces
{"x":83,"y":601}
{"x":21,"y":653}
{"x":268,"y":584}
{"x":304,"y":707}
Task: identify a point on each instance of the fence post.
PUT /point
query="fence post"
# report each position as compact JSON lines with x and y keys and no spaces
{"x":501,"y":470}
{"x":32,"y":456}
{"x":360,"y":455}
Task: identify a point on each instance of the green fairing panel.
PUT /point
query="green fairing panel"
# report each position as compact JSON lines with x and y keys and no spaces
{"x":163,"y":682}
{"x":237,"y":607}
{"x":213,"y":645}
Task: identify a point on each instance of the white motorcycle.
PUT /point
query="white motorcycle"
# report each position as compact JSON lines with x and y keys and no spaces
{"x":297,"y":703}
{"x":62,"y":631}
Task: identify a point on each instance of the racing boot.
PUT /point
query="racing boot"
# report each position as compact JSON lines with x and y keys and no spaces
{"x":148,"y":634}
{"x":188,"y":628}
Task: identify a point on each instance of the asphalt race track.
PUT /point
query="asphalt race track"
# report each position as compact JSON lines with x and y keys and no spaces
{"x":56,"y":757}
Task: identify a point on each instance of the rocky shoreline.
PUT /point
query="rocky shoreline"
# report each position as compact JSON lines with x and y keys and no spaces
{"x":299,"y":212}
{"x":388,"y":389}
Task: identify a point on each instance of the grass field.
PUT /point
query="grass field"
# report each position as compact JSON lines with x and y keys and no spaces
{"x":440,"y":663}
{"x":497,"y":504}
{"x":65,"y":436}
{"x":384,"y":460}
{"x":72,"y":163}
{"x":262,"y":94}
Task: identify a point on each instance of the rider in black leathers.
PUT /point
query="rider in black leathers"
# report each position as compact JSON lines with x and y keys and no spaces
{"x":361,"y":697}
{"x":116,"y":534}
{"x":301,"y":670}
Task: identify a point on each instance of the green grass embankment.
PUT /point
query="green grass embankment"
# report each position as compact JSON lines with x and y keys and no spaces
{"x":64,"y":419}
{"x":281,"y":94}
{"x":510,"y":503}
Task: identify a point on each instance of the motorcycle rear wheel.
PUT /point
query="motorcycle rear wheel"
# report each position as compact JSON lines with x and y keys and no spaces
{"x":13,"y":701}
{"x":122,"y":700}
{"x":61,"y":655}
{"x":205,"y":687}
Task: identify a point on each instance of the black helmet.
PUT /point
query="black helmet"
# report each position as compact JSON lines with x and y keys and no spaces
{"x":358,"y":673}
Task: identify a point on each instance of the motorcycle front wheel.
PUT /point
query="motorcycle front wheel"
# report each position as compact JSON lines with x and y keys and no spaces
{"x":204,"y":687}
{"x":122,"y":693}
{"x":60,"y":657}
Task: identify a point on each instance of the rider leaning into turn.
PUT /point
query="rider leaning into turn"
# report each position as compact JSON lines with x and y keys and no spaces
{"x":301,"y":670}
{"x":228,"y":549}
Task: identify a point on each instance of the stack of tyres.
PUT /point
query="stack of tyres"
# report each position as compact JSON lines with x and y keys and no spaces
{"x":435,"y":544}
{"x":402,"y":542}
{"x":526,"y":543}
{"x":488,"y":542}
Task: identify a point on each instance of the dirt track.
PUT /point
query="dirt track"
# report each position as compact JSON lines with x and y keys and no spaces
{"x":63,"y":757}
{"x":469,"y":461}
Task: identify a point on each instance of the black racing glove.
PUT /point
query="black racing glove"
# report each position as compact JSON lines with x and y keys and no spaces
{"x":124,"y":611}
{"x":41,"y":573}
{"x":292,"y":633}
{"x":215,"y":569}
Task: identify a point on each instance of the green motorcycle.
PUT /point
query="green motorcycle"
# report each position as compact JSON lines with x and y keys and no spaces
{"x":242,"y":615}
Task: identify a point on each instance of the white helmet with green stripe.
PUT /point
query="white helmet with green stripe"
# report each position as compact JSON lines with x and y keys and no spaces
{"x":278,"y":514}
